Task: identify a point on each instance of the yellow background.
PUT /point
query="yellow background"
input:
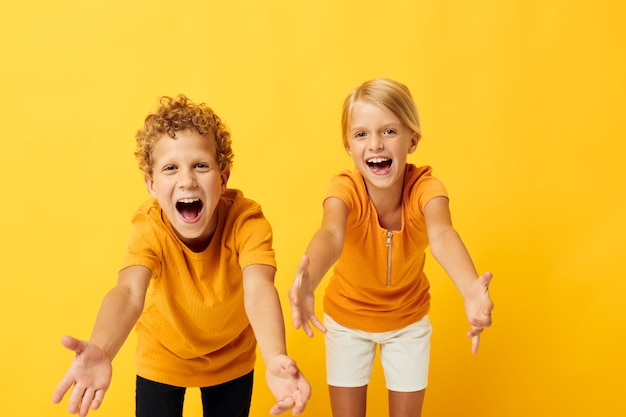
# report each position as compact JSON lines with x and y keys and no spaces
{"x":522,"y":107}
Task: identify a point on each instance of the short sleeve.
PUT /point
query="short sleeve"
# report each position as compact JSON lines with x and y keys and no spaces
{"x":254,"y":239}
{"x":143,"y":247}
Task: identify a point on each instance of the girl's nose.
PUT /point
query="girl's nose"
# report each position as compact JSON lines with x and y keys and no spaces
{"x":375,"y":142}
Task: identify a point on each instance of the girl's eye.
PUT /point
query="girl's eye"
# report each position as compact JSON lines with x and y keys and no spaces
{"x":389,"y":131}
{"x":359,"y":135}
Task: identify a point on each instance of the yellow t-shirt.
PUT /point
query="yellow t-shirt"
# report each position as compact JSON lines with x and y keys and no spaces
{"x":194,"y":330}
{"x":366,"y":292}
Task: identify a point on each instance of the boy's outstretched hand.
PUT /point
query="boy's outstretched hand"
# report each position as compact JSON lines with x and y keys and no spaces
{"x":478,"y":307}
{"x":90,"y":374}
{"x":302,"y":300}
{"x":290,"y":388}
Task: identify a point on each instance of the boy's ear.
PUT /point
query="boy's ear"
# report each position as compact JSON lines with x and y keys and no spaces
{"x":149,"y":185}
{"x":225,"y":175}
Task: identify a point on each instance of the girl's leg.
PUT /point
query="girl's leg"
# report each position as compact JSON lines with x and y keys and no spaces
{"x":348,"y":402}
{"x":230,"y":399}
{"x":405,"y":355}
{"x":406,"y":404}
{"x":153,"y":399}
{"x":349,"y":360}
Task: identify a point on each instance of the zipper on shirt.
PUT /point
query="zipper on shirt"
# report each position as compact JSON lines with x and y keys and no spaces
{"x":389,"y":236}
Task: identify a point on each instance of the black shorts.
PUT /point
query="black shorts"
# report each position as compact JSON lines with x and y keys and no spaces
{"x":230,"y":399}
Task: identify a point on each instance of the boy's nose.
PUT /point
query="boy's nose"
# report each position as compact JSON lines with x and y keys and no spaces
{"x":187,"y":180}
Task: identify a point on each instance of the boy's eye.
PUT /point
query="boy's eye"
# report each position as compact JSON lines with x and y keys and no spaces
{"x":169,"y":168}
{"x":202,"y":165}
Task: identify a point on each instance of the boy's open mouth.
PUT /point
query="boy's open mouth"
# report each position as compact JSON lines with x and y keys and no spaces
{"x":189,"y":208}
{"x":379,"y":165}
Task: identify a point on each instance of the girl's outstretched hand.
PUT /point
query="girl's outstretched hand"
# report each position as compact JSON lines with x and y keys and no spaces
{"x":302,"y":300}
{"x":290,"y":388}
{"x":478,"y":307}
{"x":90,"y":374}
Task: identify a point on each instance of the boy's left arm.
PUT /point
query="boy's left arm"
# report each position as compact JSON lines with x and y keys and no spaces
{"x":288,"y":385}
{"x":448,"y":249}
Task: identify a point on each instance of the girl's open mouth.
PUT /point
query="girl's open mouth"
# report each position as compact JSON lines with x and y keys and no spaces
{"x":379,"y":165}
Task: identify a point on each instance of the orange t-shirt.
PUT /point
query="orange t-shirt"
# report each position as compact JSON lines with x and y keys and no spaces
{"x":378,"y":284}
{"x":194,"y":330}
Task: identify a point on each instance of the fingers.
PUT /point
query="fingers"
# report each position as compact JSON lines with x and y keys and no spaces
{"x":98,"y":398}
{"x":73,"y":344}
{"x":294,"y":291}
{"x":75,"y":399}
{"x":475,"y":331}
{"x":480,"y":313}
{"x":82,"y":399}
{"x":304,"y":264}
{"x":485,"y":281}
{"x":301,"y":301}
{"x":296,"y":314}
{"x":475,"y":335}
{"x":296,"y":407}
{"x":484,"y":306}
{"x":282,"y":366}
{"x":62,"y":388}
{"x":318,"y":324}
{"x":475,"y":343}
{"x":295,"y":317}
{"x":300,"y":271}
{"x":288,"y":385}
{"x":487,"y":276}
{"x":483,"y":321}
{"x":81,"y":404}
{"x":86,"y":401}
{"x":288,"y":366}
{"x":315,"y":322}
{"x":282,"y":406}
{"x":307,"y":329}
{"x":301,"y":397}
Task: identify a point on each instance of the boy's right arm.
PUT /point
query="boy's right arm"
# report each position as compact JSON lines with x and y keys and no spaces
{"x":323,"y":251}
{"x":90,"y":371}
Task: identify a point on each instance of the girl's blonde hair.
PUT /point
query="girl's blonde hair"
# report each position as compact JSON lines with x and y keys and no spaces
{"x":180,"y":113}
{"x":386,"y":93}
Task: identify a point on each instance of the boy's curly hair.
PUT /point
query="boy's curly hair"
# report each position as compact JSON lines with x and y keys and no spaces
{"x":180,"y":113}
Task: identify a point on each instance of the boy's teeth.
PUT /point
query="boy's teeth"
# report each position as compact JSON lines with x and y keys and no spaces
{"x":188,"y":200}
{"x":377,"y":160}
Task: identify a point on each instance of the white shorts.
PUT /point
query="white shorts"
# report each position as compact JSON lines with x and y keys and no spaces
{"x":404,"y":353}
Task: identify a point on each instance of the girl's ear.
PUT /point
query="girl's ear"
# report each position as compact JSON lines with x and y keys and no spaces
{"x":225,"y":175}
{"x":149,"y":185}
{"x":414,"y":140}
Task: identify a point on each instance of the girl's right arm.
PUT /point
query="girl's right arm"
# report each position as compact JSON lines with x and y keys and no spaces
{"x":323,"y":251}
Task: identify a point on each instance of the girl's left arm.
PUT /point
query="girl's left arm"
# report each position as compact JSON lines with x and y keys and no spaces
{"x":448,"y":249}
